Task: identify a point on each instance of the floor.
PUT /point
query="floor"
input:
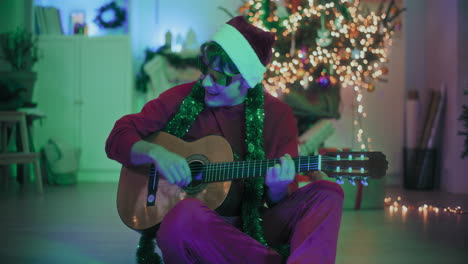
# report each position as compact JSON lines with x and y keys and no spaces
{"x":80,"y":224}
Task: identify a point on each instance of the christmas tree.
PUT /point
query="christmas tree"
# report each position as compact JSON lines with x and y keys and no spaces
{"x":322,"y":46}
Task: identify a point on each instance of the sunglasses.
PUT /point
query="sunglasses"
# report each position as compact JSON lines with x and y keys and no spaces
{"x":221,"y":78}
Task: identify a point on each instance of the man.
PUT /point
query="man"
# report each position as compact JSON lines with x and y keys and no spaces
{"x":229,"y":100}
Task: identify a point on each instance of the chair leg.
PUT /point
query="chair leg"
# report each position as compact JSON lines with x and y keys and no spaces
{"x":38,"y":176}
{"x":5,"y":170}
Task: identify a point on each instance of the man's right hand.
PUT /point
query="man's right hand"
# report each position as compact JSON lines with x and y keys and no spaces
{"x":173,"y":167}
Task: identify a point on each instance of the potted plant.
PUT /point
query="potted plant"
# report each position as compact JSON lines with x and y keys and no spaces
{"x":19,"y":49}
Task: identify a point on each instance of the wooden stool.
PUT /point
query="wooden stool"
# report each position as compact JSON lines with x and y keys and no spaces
{"x":15,"y":120}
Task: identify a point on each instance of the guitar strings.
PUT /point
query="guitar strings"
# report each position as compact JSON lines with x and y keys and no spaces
{"x":263,"y":163}
{"x":230,"y":169}
{"x":269,"y":162}
{"x":303,"y":162}
{"x":243,"y":164}
{"x":212,"y":176}
{"x":215,"y":178}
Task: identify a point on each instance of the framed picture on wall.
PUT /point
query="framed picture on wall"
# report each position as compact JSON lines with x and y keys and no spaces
{"x":77,"y":25}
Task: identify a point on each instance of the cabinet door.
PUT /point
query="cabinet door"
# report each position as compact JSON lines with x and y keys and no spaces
{"x":56,"y":91}
{"x":106,"y":92}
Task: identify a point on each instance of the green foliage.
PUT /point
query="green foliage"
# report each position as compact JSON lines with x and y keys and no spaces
{"x":20,"y":49}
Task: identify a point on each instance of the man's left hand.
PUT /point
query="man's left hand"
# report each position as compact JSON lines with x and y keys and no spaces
{"x":280,"y":176}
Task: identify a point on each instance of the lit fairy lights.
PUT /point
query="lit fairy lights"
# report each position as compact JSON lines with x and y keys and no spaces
{"x":396,"y":205}
{"x":326,"y":43}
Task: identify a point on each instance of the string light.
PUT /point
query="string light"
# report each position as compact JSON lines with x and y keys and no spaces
{"x":394,"y":205}
{"x":356,"y":52}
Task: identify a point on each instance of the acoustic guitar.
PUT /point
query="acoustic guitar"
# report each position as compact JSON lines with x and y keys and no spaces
{"x":144,"y":198}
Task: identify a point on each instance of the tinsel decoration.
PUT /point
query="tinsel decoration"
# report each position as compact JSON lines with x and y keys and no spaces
{"x":190,"y":108}
{"x":254,"y":115}
{"x":145,"y":251}
{"x":254,"y":187}
{"x":192,"y":105}
{"x":119,"y":15}
{"x":464,"y":117}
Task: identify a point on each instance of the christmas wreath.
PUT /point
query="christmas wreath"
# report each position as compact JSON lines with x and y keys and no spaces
{"x":117,"y":14}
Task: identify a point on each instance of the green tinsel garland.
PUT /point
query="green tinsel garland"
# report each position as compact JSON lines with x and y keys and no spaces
{"x":192,"y":105}
{"x":145,"y":251}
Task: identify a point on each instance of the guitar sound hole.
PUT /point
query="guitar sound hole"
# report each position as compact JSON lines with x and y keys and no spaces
{"x":197,"y":184}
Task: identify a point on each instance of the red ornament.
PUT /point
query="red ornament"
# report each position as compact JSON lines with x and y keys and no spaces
{"x":353,"y":33}
{"x":293,"y":4}
{"x":344,"y":55}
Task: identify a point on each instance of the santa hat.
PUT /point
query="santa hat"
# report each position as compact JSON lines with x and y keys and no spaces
{"x":249,"y":47}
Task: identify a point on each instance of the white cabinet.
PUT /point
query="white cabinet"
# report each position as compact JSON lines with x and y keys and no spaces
{"x":84,"y":85}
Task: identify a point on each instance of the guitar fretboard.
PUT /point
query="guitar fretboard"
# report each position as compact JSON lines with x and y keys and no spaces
{"x":216,"y":172}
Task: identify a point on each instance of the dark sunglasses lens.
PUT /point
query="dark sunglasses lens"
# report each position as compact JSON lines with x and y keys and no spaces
{"x":218,"y":77}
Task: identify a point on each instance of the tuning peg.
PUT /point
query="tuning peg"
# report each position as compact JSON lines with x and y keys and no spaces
{"x":364,"y":181}
{"x":339,"y":180}
{"x":351,"y":180}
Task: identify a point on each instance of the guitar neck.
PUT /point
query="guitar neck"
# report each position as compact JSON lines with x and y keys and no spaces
{"x":228,"y":171}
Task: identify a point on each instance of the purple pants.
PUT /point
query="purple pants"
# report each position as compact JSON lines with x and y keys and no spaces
{"x":309,"y":219}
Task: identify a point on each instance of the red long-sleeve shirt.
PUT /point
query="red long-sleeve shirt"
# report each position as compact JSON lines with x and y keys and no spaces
{"x":280,"y":132}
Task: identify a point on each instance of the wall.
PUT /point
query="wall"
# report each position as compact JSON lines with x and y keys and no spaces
{"x":442,"y":67}
{"x":435,"y":37}
{"x":457,"y":167}
{"x":452,"y":36}
{"x":153,"y":18}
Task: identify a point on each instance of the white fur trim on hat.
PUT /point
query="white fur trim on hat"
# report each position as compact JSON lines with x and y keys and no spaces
{"x":241,"y":53}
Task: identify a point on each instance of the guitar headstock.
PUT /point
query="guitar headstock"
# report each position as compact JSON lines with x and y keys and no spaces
{"x":354,"y":165}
